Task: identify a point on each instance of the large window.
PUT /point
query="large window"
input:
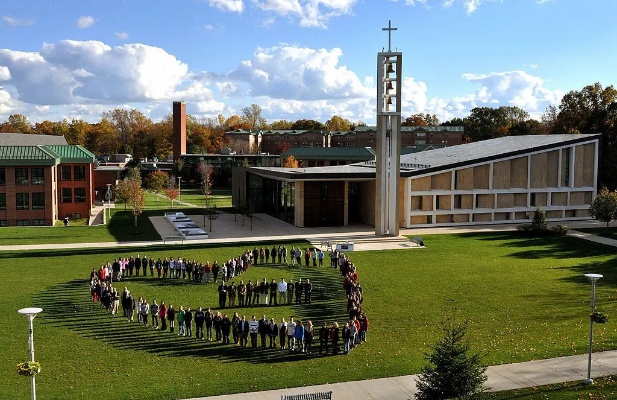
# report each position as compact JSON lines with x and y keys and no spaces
{"x":2,"y":176}
{"x":79,"y":173}
{"x":37,"y":176}
{"x":22,"y":201}
{"x":38,"y":222}
{"x":22,"y":222}
{"x":2,"y":201}
{"x":67,"y":195}
{"x":65,"y":173}
{"x":21,"y":176}
{"x":80,"y":195}
{"x":38,"y":201}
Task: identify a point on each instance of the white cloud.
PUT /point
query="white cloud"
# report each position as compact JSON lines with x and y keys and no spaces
{"x":84,"y":22}
{"x":17,"y":22}
{"x":208,"y":27}
{"x":471,"y":6}
{"x":122,"y":35}
{"x":310,"y":13}
{"x":5,"y":74}
{"x":299,"y":73}
{"x":228,"y":5}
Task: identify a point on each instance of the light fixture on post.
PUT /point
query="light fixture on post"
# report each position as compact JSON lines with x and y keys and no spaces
{"x":592,"y":278}
{"x":31,"y":312}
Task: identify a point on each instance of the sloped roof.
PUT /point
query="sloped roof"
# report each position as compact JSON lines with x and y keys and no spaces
{"x":431,"y":128}
{"x":73,"y":154}
{"x":44,"y":155}
{"x":434,"y":160}
{"x":27,"y":155}
{"x":24,"y":139}
{"x":330,"y":153}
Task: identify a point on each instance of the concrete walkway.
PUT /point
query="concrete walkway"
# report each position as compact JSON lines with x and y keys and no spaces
{"x":500,"y":377}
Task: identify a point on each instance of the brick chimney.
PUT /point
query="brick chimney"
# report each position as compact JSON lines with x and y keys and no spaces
{"x":179,"y":116}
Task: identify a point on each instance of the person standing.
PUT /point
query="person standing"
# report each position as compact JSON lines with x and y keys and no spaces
{"x":137,"y":265}
{"x":263,"y":292}
{"x":273,"y":289}
{"x":346,"y":338}
{"x":188,"y":321}
{"x":235,"y":328}
{"x":282,"y":291}
{"x":200,"y":318}
{"x":217,"y":320}
{"x":320,"y":256}
{"x":222,"y":294}
{"x":308,"y":291}
{"x":273,"y":332}
{"x":132,"y":305}
{"x":231,"y":294}
{"x":307,"y":256}
{"x":253,"y":331}
{"x":299,"y":256}
{"x":299,"y":336}
{"x":209,"y":321}
{"x":264,"y":329}
{"x":282,"y":331}
{"x":249,"y":293}
{"x":324,"y":334}
{"x":308,"y":336}
{"x":144,"y":310}
{"x":334,"y":338}
{"x":363,"y":327}
{"x":171,"y":317}
{"x":154,"y":313}
{"x":225,"y":328}
{"x":290,"y":291}
{"x":244,"y":331}
{"x":291,"y":330}
{"x":163,"y":315}
{"x":298,"y":289}
{"x":181,"y":326}
{"x":241,"y":293}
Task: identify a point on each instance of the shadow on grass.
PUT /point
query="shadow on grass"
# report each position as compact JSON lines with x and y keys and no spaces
{"x":68,"y":305}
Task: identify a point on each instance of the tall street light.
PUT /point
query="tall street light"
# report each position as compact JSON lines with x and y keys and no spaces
{"x":592,"y":278}
{"x":179,"y":178}
{"x":31,"y":312}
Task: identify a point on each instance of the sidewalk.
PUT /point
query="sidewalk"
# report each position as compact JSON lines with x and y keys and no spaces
{"x":500,"y":377}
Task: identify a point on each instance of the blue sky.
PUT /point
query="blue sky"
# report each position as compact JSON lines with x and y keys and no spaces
{"x":297,"y":59}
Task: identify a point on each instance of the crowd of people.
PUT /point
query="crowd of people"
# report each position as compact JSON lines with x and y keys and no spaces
{"x":292,"y":335}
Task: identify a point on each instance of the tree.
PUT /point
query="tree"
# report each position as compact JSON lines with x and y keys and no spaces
{"x":488,"y":123}
{"x":421,"y":119}
{"x":290,"y":162}
{"x":604,"y":206}
{"x":338,"y":124}
{"x":538,"y":224}
{"x":205,"y":173}
{"x":252,"y":117}
{"x":136,"y":198}
{"x":308,"y":124}
{"x":281,"y":124}
{"x":157,"y":181}
{"x":19,"y":123}
{"x":452,"y":370}
{"x":593,"y":110}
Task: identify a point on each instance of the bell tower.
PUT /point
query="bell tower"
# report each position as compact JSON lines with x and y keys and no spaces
{"x":388,"y":135}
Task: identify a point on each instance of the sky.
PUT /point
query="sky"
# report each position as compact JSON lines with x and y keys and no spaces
{"x":297,"y":59}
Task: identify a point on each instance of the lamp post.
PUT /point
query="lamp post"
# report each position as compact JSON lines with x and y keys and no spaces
{"x":179,"y":179}
{"x":108,"y":196}
{"x":31,"y":312}
{"x":592,"y":278}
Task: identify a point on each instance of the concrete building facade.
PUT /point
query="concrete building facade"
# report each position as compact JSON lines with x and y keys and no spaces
{"x":490,"y":182}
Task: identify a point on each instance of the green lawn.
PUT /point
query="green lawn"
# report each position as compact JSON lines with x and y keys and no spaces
{"x":119,"y":229}
{"x":603,"y":388}
{"x":525,"y":298}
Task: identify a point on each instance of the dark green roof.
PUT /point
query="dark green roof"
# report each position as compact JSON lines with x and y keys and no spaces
{"x":438,"y":128}
{"x":44,"y":155}
{"x":72,"y":154}
{"x":27,"y":155}
{"x":330,"y":153}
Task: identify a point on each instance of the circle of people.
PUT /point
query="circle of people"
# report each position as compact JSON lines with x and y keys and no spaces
{"x":293,"y":335}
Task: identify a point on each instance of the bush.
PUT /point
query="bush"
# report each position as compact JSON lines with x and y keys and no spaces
{"x":559,"y":230}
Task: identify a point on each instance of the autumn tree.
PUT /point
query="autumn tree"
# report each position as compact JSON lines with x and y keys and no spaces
{"x":171,"y":191}
{"x":290,"y":162}
{"x":488,"y":123}
{"x":205,"y":174}
{"x":421,"y":119}
{"x":251,"y":116}
{"x":338,"y":124}
{"x":156,"y":181}
{"x":281,"y":125}
{"x":308,"y":124}
{"x":593,"y":110}
{"x":604,"y":206}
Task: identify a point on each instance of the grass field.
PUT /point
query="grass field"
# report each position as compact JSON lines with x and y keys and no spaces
{"x":602,"y":389}
{"x":525,"y":299}
{"x":119,"y":229}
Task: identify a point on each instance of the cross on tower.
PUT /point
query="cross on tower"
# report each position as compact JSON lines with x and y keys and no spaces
{"x":389,"y":29}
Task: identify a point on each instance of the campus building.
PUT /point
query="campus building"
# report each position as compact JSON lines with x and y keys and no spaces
{"x":494,"y":181}
{"x":278,"y":141}
{"x":43,"y":179}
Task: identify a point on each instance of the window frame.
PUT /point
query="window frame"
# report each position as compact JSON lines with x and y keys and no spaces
{"x":2,"y":201}
{"x":22,"y":201}
{"x":62,"y":196}
{"x":40,"y":180}
{"x":38,"y":200}
{"x":79,"y":198}
{"x":65,"y":173}
{"x":20,"y":179}
{"x":79,"y":172}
